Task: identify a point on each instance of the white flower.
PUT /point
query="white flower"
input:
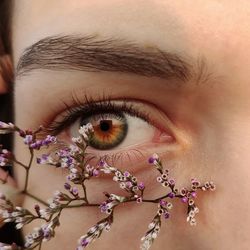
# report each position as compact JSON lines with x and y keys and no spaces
{"x":151,"y":234}
{"x":77,"y":139}
{"x":169,"y":205}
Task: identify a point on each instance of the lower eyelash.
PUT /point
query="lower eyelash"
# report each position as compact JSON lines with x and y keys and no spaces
{"x":125,"y":156}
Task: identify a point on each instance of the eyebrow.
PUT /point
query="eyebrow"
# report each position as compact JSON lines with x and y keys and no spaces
{"x":92,"y":54}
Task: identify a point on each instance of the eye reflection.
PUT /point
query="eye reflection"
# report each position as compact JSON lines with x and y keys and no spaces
{"x":109,"y":130}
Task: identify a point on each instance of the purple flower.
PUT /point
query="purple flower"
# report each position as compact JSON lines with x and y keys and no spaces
{"x":141,"y":186}
{"x":84,"y":242}
{"x":194,"y":194}
{"x":103,"y":207}
{"x":28,"y":139}
{"x":172,"y":182}
{"x":36,"y":145}
{"x":184,"y":199}
{"x":126,"y":174}
{"x":129,"y":184}
{"x":44,"y":159}
{"x":171,"y":195}
{"x":67,"y":186}
{"x":153,"y":159}
{"x":163,"y":203}
{"x":75,"y":191}
{"x":95,"y":172}
{"x":48,"y":140}
{"x":166,"y":215}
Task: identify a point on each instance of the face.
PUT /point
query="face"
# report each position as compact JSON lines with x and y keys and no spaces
{"x":184,"y":70}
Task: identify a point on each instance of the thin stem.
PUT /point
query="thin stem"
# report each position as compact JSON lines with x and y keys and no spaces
{"x":160,"y":198}
{"x":84,"y":205}
{"x":36,"y":198}
{"x":27,"y":168}
{"x":85,"y":193}
{"x":33,"y":247}
{"x":20,"y":163}
{"x":71,"y":206}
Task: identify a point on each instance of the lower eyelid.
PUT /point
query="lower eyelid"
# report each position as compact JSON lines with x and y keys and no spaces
{"x":161,"y":143}
{"x":135,"y":155}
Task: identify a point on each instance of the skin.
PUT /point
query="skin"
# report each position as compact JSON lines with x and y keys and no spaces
{"x":209,"y":120}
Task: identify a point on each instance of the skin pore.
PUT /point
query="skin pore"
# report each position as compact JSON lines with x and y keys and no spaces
{"x":206,"y":113}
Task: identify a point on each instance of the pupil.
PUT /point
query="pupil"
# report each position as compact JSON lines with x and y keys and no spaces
{"x":105,"y":125}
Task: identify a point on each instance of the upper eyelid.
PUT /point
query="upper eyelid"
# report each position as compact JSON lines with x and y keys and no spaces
{"x":72,"y":113}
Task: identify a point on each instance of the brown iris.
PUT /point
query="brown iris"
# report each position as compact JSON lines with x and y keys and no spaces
{"x":109,"y":130}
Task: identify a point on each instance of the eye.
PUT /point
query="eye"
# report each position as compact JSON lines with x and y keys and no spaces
{"x":119,"y":125}
{"x":115,"y":131}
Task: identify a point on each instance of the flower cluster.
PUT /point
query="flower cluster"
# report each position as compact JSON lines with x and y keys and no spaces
{"x":6,"y":128}
{"x":10,"y":213}
{"x":9,"y":247}
{"x":154,"y":229}
{"x":112,"y":201}
{"x":86,"y":131}
{"x":163,"y":208}
{"x":95,"y":232}
{"x":6,"y":157}
{"x":74,"y":159}
{"x":126,"y":180}
{"x":29,"y":138}
{"x":41,"y":234}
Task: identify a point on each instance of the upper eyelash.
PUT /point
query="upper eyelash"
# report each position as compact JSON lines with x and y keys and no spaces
{"x":88,"y":106}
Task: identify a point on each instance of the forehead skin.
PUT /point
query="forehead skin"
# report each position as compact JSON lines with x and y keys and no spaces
{"x":197,"y":28}
{"x":216,"y":30}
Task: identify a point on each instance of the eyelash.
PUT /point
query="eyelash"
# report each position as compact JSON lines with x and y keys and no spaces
{"x":90,"y":107}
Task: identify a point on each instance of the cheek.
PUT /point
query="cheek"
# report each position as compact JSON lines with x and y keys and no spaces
{"x":225,"y":157}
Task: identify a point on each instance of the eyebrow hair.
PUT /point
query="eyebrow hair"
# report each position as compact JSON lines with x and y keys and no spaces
{"x":91,"y":54}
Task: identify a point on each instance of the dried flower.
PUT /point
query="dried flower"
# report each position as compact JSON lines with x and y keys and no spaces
{"x":9,"y":247}
{"x":6,"y":128}
{"x":40,"y":234}
{"x":86,"y":132}
{"x":73,"y":159}
{"x":152,"y":233}
{"x":95,"y":232}
{"x":6,"y":157}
